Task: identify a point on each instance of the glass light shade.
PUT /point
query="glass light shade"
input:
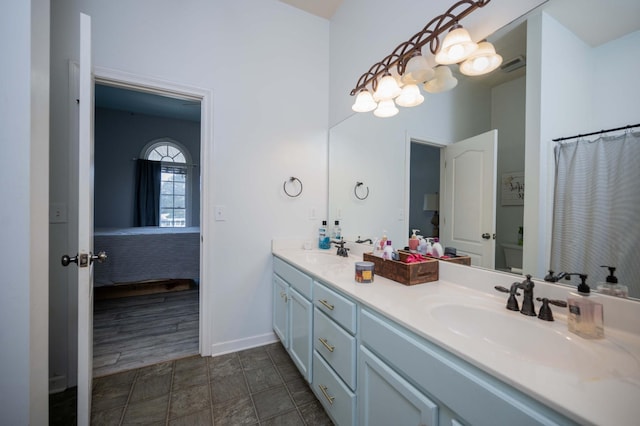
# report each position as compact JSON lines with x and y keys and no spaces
{"x":364,"y":102}
{"x":410,"y":96}
{"x":456,"y":47}
{"x":482,"y":61}
{"x":386,"y":108}
{"x":417,"y":70}
{"x":442,"y":82}
{"x":395,"y":74}
{"x":387,"y":89}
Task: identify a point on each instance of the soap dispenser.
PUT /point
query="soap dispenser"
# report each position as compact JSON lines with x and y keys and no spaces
{"x":414,"y":241}
{"x":585,"y":316}
{"x":611,"y":286}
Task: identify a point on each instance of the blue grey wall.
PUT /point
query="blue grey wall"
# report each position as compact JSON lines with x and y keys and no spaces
{"x":119,"y":138}
{"x":424,"y":179}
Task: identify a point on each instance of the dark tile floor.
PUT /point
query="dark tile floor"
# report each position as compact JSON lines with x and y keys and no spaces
{"x":259,"y":386}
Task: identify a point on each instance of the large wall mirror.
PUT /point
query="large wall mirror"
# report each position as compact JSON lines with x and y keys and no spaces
{"x":395,"y":161}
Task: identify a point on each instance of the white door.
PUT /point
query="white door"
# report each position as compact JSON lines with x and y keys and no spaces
{"x":468,"y":207}
{"x":84,"y":257}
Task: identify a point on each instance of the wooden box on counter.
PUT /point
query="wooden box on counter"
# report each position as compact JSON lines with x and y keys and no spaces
{"x":404,"y":273}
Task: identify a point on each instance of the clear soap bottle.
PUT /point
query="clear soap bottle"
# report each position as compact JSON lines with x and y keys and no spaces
{"x":585,"y":317}
{"x":611,"y":286}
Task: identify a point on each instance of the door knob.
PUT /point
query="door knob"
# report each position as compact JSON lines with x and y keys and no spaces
{"x":100,"y":257}
{"x":486,"y":236}
{"x":66,"y":260}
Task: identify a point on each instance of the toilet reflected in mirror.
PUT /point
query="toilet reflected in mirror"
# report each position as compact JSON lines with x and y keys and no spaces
{"x":513,"y":257}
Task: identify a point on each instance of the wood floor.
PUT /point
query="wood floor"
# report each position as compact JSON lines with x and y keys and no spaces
{"x":137,"y":331}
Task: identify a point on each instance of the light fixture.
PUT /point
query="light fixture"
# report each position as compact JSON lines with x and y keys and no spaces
{"x":482,"y":61}
{"x":407,"y":66}
{"x":417,"y":70}
{"x":456,"y":47}
{"x":387,"y":88}
{"x":386,"y":108}
{"x":410,"y":96}
{"x":442,"y":81}
{"x":364,"y":102}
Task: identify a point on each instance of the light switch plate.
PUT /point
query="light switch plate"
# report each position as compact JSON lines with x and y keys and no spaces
{"x":221,"y":213}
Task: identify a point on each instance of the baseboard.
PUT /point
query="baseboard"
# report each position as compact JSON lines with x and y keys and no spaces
{"x":242,"y":344}
{"x":57,"y":384}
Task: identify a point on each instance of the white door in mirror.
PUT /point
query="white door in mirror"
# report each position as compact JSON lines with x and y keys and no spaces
{"x":467,"y":210}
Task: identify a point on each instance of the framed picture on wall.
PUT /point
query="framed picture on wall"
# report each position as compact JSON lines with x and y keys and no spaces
{"x":512,"y":189}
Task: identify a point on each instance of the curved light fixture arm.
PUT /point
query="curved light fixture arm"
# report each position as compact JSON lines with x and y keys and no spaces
{"x":428,"y":35}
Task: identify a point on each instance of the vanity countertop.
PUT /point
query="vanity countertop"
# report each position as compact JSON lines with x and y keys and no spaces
{"x":589,"y":381}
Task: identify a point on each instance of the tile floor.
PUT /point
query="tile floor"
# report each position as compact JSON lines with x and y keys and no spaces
{"x":259,"y":386}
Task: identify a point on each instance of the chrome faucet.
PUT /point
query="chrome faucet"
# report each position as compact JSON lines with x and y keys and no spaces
{"x":342,"y":250}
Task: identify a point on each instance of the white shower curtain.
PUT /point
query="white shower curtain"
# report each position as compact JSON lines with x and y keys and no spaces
{"x":597,"y":209}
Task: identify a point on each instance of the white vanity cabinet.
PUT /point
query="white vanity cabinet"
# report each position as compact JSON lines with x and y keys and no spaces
{"x":404,"y":375}
{"x":293,"y":313}
{"x":335,"y":353}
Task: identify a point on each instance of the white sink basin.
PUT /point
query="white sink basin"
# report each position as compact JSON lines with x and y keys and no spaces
{"x":321,"y":258}
{"x":532,"y":340}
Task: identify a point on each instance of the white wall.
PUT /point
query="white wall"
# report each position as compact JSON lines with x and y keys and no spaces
{"x":267,"y":65}
{"x":508,"y":116}
{"x":24,"y":108}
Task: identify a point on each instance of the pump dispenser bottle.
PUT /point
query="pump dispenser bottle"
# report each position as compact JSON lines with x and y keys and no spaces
{"x":414,"y":241}
{"x":324,"y":241}
{"x":611,"y":286}
{"x":585,"y":316}
{"x":387,"y":253}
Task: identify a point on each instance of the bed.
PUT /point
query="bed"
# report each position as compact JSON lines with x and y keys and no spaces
{"x":147,"y":254}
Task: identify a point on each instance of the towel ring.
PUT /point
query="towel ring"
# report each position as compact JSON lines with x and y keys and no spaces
{"x":355,"y":191}
{"x":292,"y":179}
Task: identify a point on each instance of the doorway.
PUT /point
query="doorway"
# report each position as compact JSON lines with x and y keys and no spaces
{"x":147,"y":295}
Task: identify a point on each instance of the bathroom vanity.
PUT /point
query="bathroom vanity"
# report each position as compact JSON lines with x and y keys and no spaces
{"x":448,"y":352}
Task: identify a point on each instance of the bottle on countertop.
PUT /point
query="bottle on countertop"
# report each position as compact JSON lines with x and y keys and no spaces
{"x":414,"y":241}
{"x":438,"y":251}
{"x":387,"y":253}
{"x":383,"y":240}
{"x":324,"y":242}
{"x":336,"y":231}
{"x":611,"y":286}
{"x":585,"y":314}
{"x":422,"y":245}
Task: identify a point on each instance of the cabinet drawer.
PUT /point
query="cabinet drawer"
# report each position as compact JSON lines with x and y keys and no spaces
{"x":336,"y":346}
{"x":294,"y":277}
{"x":337,"y":307}
{"x":336,"y":398}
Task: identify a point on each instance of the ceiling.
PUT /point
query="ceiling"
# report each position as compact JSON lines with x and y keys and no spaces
{"x":138,"y":102}
{"x":322,"y":8}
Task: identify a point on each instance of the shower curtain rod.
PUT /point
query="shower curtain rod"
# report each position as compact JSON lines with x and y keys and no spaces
{"x":597,"y":133}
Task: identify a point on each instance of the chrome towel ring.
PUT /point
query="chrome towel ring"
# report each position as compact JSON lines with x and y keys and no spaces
{"x":355,"y":191}
{"x":292,"y":181}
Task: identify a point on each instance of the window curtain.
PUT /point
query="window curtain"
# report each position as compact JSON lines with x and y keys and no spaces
{"x":597,"y":209}
{"x":147,"y":202}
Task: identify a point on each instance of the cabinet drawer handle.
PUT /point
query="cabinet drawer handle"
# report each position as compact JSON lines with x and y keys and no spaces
{"x":326,"y":344}
{"x":325,"y":303}
{"x":324,"y":390}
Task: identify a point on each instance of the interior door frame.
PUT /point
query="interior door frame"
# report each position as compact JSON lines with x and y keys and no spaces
{"x":205,"y":96}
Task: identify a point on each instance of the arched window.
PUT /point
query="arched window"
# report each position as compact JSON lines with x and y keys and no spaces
{"x":174,"y":184}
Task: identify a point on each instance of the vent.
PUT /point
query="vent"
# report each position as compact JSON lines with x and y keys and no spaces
{"x":513,"y":64}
